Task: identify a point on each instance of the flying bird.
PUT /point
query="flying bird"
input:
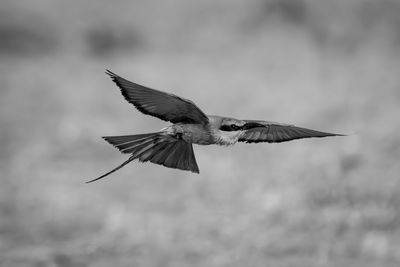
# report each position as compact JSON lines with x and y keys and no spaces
{"x":172,"y":146}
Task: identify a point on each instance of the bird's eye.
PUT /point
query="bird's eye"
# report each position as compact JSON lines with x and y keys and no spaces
{"x":234,"y":127}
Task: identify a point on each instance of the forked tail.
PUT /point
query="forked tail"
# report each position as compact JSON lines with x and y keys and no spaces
{"x":158,"y":148}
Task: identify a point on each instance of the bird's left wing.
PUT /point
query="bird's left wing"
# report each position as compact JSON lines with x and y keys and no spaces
{"x":156,"y":103}
{"x":272,"y":132}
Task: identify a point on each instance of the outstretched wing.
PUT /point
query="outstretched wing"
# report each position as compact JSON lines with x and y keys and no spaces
{"x":272,"y":132}
{"x":159,"y":104}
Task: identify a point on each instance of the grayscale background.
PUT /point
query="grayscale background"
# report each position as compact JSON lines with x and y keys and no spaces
{"x":323,"y":64}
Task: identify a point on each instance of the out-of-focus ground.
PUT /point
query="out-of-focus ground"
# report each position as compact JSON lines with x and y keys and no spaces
{"x":326,"y":65}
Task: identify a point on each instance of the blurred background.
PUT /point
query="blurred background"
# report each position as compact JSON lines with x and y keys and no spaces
{"x":326,"y":65}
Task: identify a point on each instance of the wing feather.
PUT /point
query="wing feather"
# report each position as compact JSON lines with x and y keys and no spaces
{"x":272,"y":132}
{"x":159,"y":104}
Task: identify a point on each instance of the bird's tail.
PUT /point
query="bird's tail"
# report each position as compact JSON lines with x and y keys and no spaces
{"x":158,"y":148}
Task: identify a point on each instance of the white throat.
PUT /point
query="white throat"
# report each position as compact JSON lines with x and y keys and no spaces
{"x":227,"y":138}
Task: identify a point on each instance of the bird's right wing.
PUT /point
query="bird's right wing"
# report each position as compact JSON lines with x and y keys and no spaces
{"x":156,"y":103}
{"x":272,"y":132}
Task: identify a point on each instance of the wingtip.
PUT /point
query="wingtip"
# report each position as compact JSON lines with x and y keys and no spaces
{"x":340,"y":134}
{"x":110,"y":73}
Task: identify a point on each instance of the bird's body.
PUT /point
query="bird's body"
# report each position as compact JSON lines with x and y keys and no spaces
{"x":172,"y":146}
{"x":208,"y":134}
{"x":192,"y":133}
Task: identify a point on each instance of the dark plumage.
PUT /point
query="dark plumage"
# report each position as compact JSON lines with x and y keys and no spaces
{"x":167,"y":107}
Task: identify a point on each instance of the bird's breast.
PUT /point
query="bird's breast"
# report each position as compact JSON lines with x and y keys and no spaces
{"x":226,"y":138}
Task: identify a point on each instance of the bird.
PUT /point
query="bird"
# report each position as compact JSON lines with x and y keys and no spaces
{"x":172,"y":146}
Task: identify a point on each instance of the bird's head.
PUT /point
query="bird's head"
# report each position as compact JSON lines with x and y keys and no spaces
{"x":228,"y":131}
{"x":231,"y":125}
